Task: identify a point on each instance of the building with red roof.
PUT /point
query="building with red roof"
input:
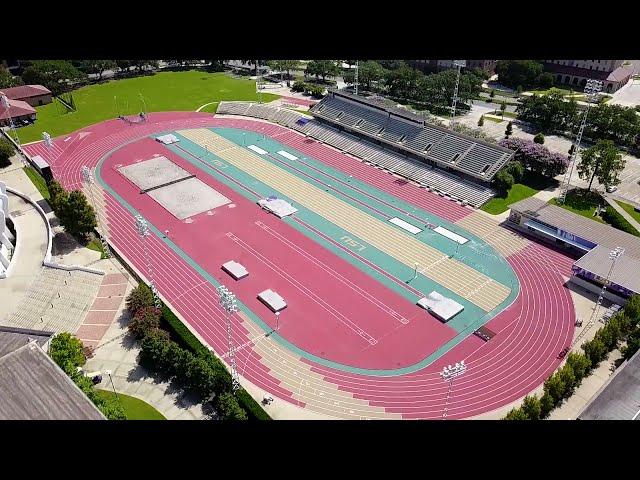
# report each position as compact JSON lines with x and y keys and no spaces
{"x":34,"y":95}
{"x":19,"y":111}
{"x":612,"y":73}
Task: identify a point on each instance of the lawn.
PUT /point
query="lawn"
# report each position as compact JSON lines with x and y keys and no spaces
{"x":134,"y":408}
{"x":96,"y":245}
{"x":164,"y":91}
{"x":531,"y":185}
{"x":581,"y":202}
{"x":630,"y":210}
{"x":38,"y":181}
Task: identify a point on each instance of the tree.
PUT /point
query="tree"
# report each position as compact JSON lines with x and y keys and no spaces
{"x":66,"y":351}
{"x":555,"y":387}
{"x":58,"y":197}
{"x":7,"y":151}
{"x":403,"y":82}
{"x":322,"y":68}
{"x":503,"y":107}
{"x":518,"y":72}
{"x":580,"y":365}
{"x":539,"y":138}
{"x":516,"y":170}
{"x":285,"y":65}
{"x":502,"y":182}
{"x":140,"y":297}
{"x":632,"y":309}
{"x":123,"y":65}
{"x":141,"y":65}
{"x":613,"y":122}
{"x":437,"y":89}
{"x":56,"y":75}
{"x":595,"y":351}
{"x":544,"y":80}
{"x":144,"y":321}
{"x":568,"y":379}
{"x":77,"y":216}
{"x":519,"y":90}
{"x":228,"y":408}
{"x":481,"y":121}
{"x":153,"y":350}
{"x":550,"y":112}
{"x":516,"y":414}
{"x":604,"y":161}
{"x":535,"y":157}
{"x":369,"y":72}
{"x":7,"y":80}
{"x":97,"y":66}
{"x":531,"y":407}
{"x":547,"y":404}
{"x":492,"y":94}
{"x":572,"y":149}
{"x":509,"y":130}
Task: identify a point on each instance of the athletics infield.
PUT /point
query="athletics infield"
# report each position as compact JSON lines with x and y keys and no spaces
{"x":352,"y":343}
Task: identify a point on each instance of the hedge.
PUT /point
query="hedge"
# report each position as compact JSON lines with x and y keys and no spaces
{"x":253,"y":408}
{"x":613,"y":218}
{"x":183,"y":336}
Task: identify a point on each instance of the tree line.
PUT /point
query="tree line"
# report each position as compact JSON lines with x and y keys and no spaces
{"x":621,"y":327}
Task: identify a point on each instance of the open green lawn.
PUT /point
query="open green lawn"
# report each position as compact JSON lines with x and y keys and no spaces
{"x":38,"y":181}
{"x":581,"y":202}
{"x":96,"y":244}
{"x":630,"y":210}
{"x":134,"y":408}
{"x":531,"y":184}
{"x":164,"y":91}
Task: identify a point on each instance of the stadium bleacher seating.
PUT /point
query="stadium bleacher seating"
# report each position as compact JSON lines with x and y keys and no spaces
{"x":435,"y":179}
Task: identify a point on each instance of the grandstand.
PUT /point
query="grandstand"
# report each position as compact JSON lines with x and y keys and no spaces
{"x":403,"y":163}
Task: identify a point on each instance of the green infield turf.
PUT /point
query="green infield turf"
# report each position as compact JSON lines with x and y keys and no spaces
{"x":165,"y":91}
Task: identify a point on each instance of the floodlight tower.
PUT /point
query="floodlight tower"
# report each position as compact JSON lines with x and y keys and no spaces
{"x":613,"y":256}
{"x":355,"y":79}
{"x":458,"y":64}
{"x":591,"y":90}
{"x":228,"y":303}
{"x":448,"y":374}
{"x":4,"y":101}
{"x":88,"y":178}
{"x":143,"y":231}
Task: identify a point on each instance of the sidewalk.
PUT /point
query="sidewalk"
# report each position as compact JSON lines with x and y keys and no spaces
{"x":622,"y":212}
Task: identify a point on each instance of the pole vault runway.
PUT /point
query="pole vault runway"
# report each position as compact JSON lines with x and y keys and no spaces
{"x":331,"y":359}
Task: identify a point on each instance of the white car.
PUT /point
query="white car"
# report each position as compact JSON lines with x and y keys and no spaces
{"x":611,"y":189}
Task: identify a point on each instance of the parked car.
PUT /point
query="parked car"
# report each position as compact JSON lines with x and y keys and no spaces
{"x":611,"y":188}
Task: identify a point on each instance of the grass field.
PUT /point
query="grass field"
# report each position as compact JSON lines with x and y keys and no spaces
{"x":581,"y":202}
{"x":630,"y":210}
{"x":38,"y":181}
{"x":134,"y":408}
{"x":531,"y":185}
{"x":165,"y":91}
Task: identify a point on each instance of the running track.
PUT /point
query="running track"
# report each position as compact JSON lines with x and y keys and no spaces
{"x":530,"y":332}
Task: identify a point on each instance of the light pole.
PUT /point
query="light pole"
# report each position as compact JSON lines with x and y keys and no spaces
{"x":613,"y":256}
{"x":355,"y":78}
{"x":143,"y":231}
{"x":228,"y":303}
{"x":88,"y":178}
{"x":108,"y":372}
{"x":591,"y":90}
{"x":458,"y":64}
{"x":415,"y":271}
{"x":4,"y":100}
{"x":448,"y":374}
{"x":277,"y":321}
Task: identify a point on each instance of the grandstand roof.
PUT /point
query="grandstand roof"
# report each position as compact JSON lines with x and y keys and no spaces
{"x":13,"y":338}
{"x":618,"y":398}
{"x":625,"y":273}
{"x":33,"y":387}
{"x":598,"y":233}
{"x":25,"y":91}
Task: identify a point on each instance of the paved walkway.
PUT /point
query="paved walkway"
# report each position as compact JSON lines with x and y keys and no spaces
{"x":634,"y":223}
{"x":32,"y":239}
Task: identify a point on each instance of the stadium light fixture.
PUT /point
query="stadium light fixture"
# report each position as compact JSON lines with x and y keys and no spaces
{"x":143,"y":231}
{"x":448,"y":374}
{"x":591,"y":90}
{"x":228,"y":302}
{"x":47,"y":139}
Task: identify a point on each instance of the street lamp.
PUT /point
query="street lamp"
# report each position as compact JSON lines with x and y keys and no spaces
{"x":108,"y":372}
{"x":277,"y":321}
{"x":591,"y":90}
{"x":448,"y":374}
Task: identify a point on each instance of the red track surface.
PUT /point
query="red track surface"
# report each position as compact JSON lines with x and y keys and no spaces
{"x":530,"y":332}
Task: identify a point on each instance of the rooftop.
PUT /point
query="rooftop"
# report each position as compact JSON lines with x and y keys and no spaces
{"x":578,"y":225}
{"x":33,"y":387}
{"x":625,"y":273}
{"x":619,"y":398}
{"x":25,"y":91}
{"x":17,"y":108}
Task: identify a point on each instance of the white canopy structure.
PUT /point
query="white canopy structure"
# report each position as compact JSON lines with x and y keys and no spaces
{"x":442,"y":307}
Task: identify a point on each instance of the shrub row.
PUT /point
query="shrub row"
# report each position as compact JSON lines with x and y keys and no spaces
{"x":625,"y":325}
{"x":169,"y":348}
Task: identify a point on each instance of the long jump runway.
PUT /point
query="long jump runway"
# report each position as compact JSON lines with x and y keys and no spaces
{"x":530,"y":332}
